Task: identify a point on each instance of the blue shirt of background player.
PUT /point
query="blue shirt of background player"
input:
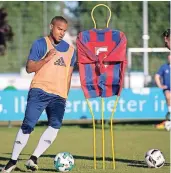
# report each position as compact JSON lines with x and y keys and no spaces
{"x":164,"y":72}
{"x":39,"y":48}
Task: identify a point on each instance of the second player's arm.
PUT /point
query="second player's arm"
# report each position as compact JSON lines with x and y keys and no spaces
{"x":158,"y":82}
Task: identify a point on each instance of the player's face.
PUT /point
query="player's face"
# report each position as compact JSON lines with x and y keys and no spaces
{"x":167,"y":42}
{"x":58,"y":29}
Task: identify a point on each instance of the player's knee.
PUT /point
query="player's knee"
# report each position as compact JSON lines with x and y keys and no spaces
{"x":167,"y":97}
{"x":55,"y":125}
{"x":27,"y":129}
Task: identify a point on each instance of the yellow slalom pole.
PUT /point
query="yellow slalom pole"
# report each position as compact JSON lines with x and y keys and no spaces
{"x":103,"y":136}
{"x":94,"y":133}
{"x":111,"y":130}
{"x":93,"y":16}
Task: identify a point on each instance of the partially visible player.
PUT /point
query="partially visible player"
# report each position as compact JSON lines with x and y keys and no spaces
{"x":164,"y":75}
{"x":52,"y":59}
{"x":166,"y":35}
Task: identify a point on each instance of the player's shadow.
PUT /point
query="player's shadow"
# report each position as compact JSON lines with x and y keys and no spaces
{"x":129,"y":162}
{"x":135,"y":163}
{"x":48,"y":170}
{"x":16,"y":169}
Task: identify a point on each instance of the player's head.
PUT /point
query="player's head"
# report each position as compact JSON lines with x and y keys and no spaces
{"x":58,"y":27}
{"x":166,"y":35}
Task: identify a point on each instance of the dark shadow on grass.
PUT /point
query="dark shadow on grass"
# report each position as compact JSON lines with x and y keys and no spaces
{"x":4,"y":158}
{"x":19,"y":170}
{"x":129,"y":162}
{"x":16,"y":169}
{"x":1,"y":166}
{"x":48,"y":170}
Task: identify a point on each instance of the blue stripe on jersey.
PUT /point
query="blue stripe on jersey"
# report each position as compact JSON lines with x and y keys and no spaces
{"x":115,"y":89}
{"x":89,"y":80}
{"x":115,"y":82}
{"x":100,"y":37}
{"x":101,"y":34}
{"x":116,"y":72}
{"x":116,"y":36}
{"x":102,"y":82}
{"x":85,"y":37}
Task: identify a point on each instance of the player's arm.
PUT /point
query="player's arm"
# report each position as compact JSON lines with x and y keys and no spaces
{"x":73,"y":60}
{"x":34,"y":66}
{"x":158,"y":82}
{"x":35,"y":61}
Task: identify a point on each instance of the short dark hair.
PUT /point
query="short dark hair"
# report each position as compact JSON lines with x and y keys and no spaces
{"x":59,"y":18}
{"x":166,"y":33}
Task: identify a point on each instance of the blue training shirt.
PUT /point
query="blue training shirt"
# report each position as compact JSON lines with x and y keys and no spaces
{"x":164,"y":72}
{"x":39,"y":48}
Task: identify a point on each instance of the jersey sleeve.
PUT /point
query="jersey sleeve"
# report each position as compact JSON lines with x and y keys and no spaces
{"x":35,"y":52}
{"x":73,"y":60}
{"x":160,"y":71}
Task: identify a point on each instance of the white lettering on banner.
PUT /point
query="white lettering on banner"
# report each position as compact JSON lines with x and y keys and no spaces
{"x":110,"y":105}
{"x":68,"y":108}
{"x":79,"y":105}
{"x":76,"y":105}
{"x":84,"y":106}
{"x":132,"y":105}
{"x":1,"y":106}
{"x":163,"y":103}
{"x":23,"y":104}
{"x":20,"y":104}
{"x":159,"y":105}
{"x":16,"y":105}
{"x":121,"y":102}
{"x":96,"y":105}
{"x":141,"y":103}
{"x":156,"y":104}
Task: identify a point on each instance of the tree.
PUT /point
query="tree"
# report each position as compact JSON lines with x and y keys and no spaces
{"x":6,"y":33}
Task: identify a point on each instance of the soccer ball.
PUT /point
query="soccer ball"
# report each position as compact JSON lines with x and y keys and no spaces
{"x":64,"y":162}
{"x":154,"y":158}
{"x":167,"y":125}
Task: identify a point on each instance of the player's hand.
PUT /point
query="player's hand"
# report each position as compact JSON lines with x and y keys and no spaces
{"x":50,"y":55}
{"x":163,"y":87}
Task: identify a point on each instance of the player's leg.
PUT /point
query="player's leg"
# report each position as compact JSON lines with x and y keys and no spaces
{"x":168,"y":97}
{"x":34,"y":108}
{"x":167,"y":94}
{"x":55,"y":112}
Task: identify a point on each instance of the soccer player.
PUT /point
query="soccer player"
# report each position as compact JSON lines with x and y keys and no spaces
{"x":52,"y":59}
{"x":166,"y":35}
{"x":164,"y":74}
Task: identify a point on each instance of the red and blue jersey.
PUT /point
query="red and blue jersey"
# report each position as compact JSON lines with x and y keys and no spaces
{"x":102,"y":61}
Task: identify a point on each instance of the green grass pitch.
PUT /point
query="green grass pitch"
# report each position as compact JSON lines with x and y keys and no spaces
{"x":131,"y":143}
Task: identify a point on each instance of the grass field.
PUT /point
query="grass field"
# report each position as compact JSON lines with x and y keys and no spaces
{"x":131,"y":143}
